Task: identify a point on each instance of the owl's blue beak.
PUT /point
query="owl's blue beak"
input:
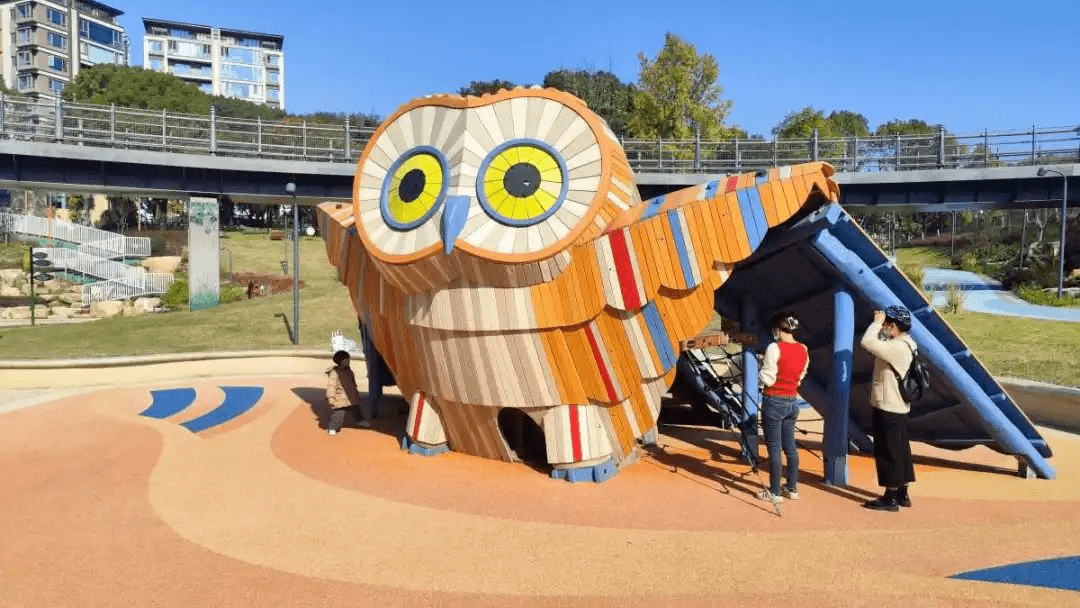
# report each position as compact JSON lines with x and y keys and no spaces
{"x":453,"y":220}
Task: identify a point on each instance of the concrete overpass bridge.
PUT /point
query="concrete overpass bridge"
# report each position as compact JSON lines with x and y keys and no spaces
{"x":68,"y":147}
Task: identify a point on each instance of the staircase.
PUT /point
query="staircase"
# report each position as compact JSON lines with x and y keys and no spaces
{"x":94,"y":256}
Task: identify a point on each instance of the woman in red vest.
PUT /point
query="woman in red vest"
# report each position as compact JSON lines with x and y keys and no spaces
{"x":782,"y":370}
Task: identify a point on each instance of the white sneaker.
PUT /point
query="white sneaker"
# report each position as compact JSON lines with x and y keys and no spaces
{"x":768,"y":496}
{"x":332,"y":432}
{"x":790,"y":494}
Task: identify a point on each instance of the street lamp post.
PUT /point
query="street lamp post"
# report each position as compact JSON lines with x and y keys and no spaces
{"x":1064,"y":211}
{"x":291,"y":189}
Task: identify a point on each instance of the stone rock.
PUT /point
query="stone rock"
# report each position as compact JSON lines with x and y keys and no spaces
{"x":24,"y":289}
{"x":128,"y":310}
{"x":142,"y":305}
{"x":108,"y":308}
{"x":71,"y":298}
{"x":56,"y":285}
{"x":47,"y":298}
{"x":162,"y":263}
{"x":21,"y":312}
{"x":8,"y":291}
{"x":10,"y":275}
{"x":63,"y":312}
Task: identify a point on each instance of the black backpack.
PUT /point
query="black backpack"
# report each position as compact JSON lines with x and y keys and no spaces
{"x":916,"y":380}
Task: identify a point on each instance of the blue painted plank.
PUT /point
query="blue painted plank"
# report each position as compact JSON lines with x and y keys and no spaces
{"x":238,"y":399}
{"x":753,"y":231}
{"x":680,"y":248}
{"x":653,"y":207}
{"x":659,"y":336}
{"x":168,"y":402}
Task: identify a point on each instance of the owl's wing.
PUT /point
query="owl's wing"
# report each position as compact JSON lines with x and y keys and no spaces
{"x":615,"y":317}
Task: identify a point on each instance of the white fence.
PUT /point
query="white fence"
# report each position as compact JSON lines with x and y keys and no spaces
{"x":97,"y":242}
{"x":91,"y":265}
{"x":150,"y":283}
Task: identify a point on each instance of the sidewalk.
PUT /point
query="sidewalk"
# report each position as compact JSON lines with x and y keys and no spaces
{"x":983,"y":294}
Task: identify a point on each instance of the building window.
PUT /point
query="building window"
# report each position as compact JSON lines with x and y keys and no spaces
{"x":272,"y":93}
{"x":273,"y":76}
{"x":101,"y":34}
{"x":273,"y":59}
{"x":26,"y":81}
{"x":24,"y":10}
{"x":242,"y":55}
{"x":57,"y":17}
{"x":57,"y":63}
{"x":26,"y":34}
{"x":156,"y":46}
{"x":57,"y":40}
{"x":207,"y":88}
{"x":56,"y":86}
{"x":156,"y":64}
{"x":25,"y":58}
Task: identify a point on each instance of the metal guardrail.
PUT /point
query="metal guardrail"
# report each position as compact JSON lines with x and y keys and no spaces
{"x":293,"y":138}
{"x":90,"y":240}
{"x":92,"y":265}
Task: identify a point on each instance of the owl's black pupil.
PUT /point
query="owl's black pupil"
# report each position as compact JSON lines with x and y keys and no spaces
{"x":412,"y":185}
{"x":522,"y":180}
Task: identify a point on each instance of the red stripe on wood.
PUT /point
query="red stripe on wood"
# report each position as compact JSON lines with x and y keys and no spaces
{"x":625,"y":269}
{"x":604,"y":374}
{"x":575,"y":432}
{"x":419,"y":411}
{"x":732,"y":183}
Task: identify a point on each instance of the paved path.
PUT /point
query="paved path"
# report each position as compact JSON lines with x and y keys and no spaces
{"x":983,"y":294}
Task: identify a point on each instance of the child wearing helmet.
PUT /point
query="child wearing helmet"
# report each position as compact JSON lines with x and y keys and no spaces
{"x":783,"y":368}
{"x":887,"y":339}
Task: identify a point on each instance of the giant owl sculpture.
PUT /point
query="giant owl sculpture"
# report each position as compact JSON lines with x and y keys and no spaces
{"x":500,"y":256}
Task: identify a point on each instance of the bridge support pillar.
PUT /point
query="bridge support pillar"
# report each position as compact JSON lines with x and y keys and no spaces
{"x":204,"y":255}
{"x":838,"y":408}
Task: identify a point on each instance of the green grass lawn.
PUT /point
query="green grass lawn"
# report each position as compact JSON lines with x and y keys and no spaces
{"x":937,"y":257}
{"x":1008,"y":346}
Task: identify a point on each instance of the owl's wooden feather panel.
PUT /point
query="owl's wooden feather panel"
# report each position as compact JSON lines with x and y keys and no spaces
{"x":501,"y":258}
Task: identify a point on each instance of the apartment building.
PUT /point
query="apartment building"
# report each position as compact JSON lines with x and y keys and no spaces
{"x":44,"y":43}
{"x":226,"y":62}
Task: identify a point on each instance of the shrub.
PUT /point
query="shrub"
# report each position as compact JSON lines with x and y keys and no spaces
{"x":232,"y":292}
{"x":954,"y":299}
{"x":1034,"y":294}
{"x":969,"y":261}
{"x":916,"y":273}
{"x":177,"y":296}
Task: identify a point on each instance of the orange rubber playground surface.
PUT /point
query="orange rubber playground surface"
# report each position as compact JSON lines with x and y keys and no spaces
{"x":102,"y":506}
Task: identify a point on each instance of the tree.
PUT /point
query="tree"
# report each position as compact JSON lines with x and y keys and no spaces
{"x":801,"y":124}
{"x":134,"y":87}
{"x":484,"y":87}
{"x":678,"y":96}
{"x":602,"y":91}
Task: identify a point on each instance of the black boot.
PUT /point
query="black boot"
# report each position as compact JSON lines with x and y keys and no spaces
{"x":888,"y":502}
{"x":902,"y":497}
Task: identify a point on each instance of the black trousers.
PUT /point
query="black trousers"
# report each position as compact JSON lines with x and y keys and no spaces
{"x":892,"y":449}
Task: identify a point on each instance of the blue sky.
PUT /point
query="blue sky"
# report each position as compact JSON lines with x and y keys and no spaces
{"x":968,"y":65}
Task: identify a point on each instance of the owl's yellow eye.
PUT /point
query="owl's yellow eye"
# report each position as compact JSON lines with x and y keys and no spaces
{"x":522,"y":182}
{"x":415,"y":188}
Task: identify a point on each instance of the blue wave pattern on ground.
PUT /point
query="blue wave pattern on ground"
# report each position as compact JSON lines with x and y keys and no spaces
{"x":1056,"y":573}
{"x":168,"y":402}
{"x":238,"y":399}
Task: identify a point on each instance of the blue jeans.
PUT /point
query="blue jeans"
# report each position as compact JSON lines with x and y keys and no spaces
{"x":779,"y":415}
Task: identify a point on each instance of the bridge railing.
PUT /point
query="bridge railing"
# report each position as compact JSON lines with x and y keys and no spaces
{"x":295,"y":138}
{"x":93,"y":266}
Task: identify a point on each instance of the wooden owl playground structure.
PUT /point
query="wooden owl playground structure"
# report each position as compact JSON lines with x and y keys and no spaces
{"x":520,"y":293}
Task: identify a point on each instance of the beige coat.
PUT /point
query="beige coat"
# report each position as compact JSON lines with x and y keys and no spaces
{"x":341,"y":388}
{"x":888,"y":354}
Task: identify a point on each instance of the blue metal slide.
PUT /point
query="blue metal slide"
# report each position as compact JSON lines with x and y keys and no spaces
{"x":833,"y":276}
